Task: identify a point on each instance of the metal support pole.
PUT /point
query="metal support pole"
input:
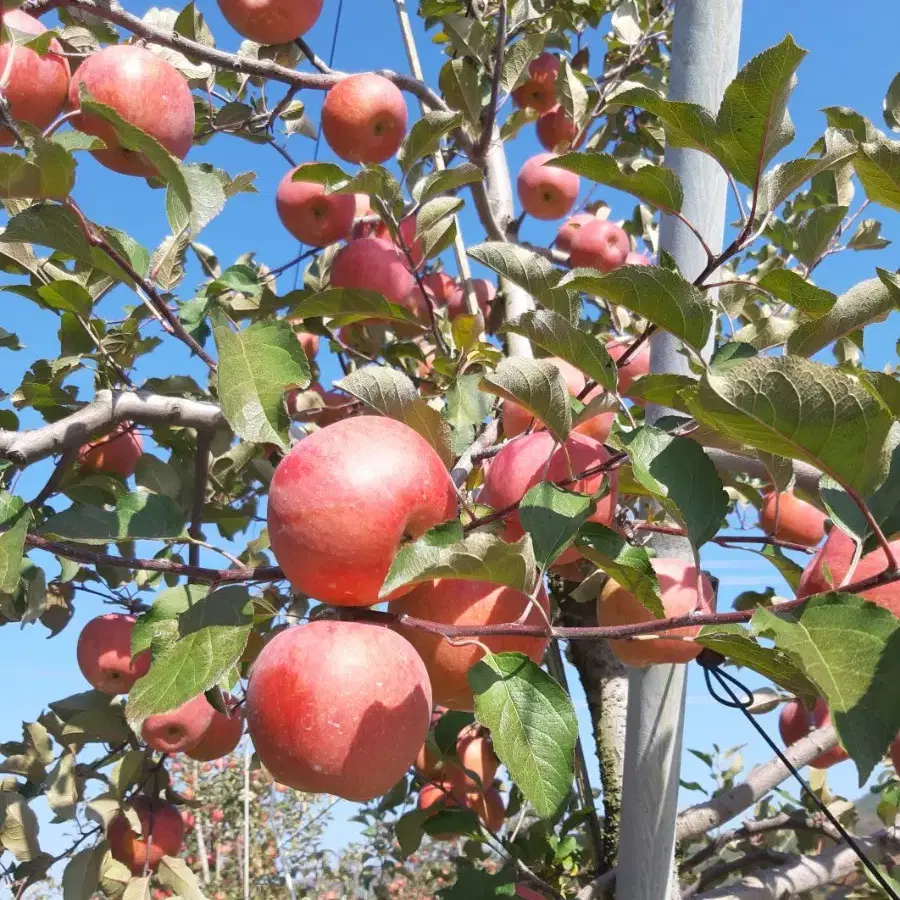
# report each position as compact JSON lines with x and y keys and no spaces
{"x":704,"y":60}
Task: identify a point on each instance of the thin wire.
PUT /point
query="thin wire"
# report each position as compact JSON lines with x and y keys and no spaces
{"x":711,"y":670}
{"x":334,"y":38}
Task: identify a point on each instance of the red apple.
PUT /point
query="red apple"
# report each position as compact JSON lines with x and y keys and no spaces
{"x":796,"y":722}
{"x":408,"y":233}
{"x":539,"y":91}
{"x":428,"y":763}
{"x":35,"y":86}
{"x":180,"y":728}
{"x":364,"y":118}
{"x":147,"y":92}
{"x":568,"y":230}
{"x":637,"y":259}
{"x":271,"y":21}
{"x":477,"y":758}
{"x":441,"y":285}
{"x":683,"y":588}
{"x":522,"y":463}
{"x":217,"y":816}
{"x":220,"y":738}
{"x":465,"y":603}
{"x":345,"y":498}
{"x":369,"y":264}
{"x":484,"y":295}
{"x":438,"y":797}
{"x":555,"y":130}
{"x":309,"y":343}
{"x":312,"y":215}
{"x":546,"y":192}
{"x":600,"y":244}
{"x":527,"y":893}
{"x":339,"y":708}
{"x":116,"y":453}
{"x":636,"y":367}
{"x":162,"y":832}
{"x":489,"y":808}
{"x":788,"y":518}
{"x":104,"y":654}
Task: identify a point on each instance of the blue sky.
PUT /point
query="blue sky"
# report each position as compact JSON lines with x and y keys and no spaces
{"x":851,"y":61}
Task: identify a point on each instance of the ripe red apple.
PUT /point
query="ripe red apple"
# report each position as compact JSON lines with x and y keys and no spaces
{"x":116,"y":453}
{"x":539,"y":91}
{"x":636,"y":367}
{"x":35,"y":86}
{"x":345,"y":498}
{"x":220,"y":738}
{"x":310,"y":344}
{"x":546,"y":192}
{"x":788,"y":518}
{"x":187,"y":817}
{"x":146,"y":92}
{"x":364,"y":118}
{"x":683,"y":588}
{"x":162,"y":832}
{"x":796,"y":722}
{"x":489,"y":808}
{"x":522,"y":463}
{"x":569,"y":228}
{"x":104,"y":654}
{"x":427,"y":762}
{"x":516,"y":418}
{"x":600,"y":244}
{"x":837,"y":554}
{"x":310,"y":214}
{"x":369,"y":264}
{"x":438,"y":797}
{"x":484,"y":296}
{"x":179,"y":729}
{"x":465,"y":603}
{"x":408,"y":233}
{"x":217,"y":816}
{"x":477,"y":758}
{"x":555,"y":130}
{"x":338,"y":707}
{"x":441,"y":285}
{"x":271,"y":21}
{"x":637,"y":259}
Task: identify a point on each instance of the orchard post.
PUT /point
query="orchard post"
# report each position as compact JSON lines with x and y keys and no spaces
{"x":705,"y":43}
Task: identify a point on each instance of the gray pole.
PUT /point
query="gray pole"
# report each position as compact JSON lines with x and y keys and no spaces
{"x":704,"y":60}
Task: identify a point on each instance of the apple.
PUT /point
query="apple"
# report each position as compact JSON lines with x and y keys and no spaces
{"x":162,"y":832}
{"x":441,"y":285}
{"x":435,"y":798}
{"x":312,"y":215}
{"x":116,"y":453}
{"x":788,"y":518}
{"x":271,"y":21}
{"x":527,"y":893}
{"x":35,"y":86}
{"x":555,"y":130}
{"x":408,"y":233}
{"x":636,"y":367}
{"x":364,"y":118}
{"x":546,"y":192}
{"x":217,"y":816}
{"x":796,"y":722}
{"x":453,"y":602}
{"x":147,"y":92}
{"x":522,"y":463}
{"x":637,"y":259}
{"x":569,"y":228}
{"x":836,"y":555}
{"x":539,"y":90}
{"x":221,"y":736}
{"x":310,"y":344}
{"x":187,"y":817}
{"x":477,"y":758}
{"x":104,"y":654}
{"x":516,"y":418}
{"x":484,"y":296}
{"x":345,"y":498}
{"x":338,"y":708}
{"x":370,"y":264}
{"x":180,"y":728}
{"x":428,"y":763}
{"x":600,"y":244}
{"x":489,"y":808}
{"x":683,"y":589}
{"x":335,"y":406}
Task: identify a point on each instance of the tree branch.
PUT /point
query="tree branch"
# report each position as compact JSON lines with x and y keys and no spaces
{"x":487,"y":130}
{"x":201,"y":473}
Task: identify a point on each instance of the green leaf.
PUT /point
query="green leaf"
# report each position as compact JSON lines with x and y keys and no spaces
{"x":793,"y":288}
{"x":655,"y":185}
{"x":533,"y":727}
{"x":424,"y":137}
{"x":868,"y":236}
{"x":878,"y":166}
{"x":47,"y":172}
{"x":478,"y":884}
{"x":438,"y":183}
{"x":353,"y":306}
{"x":12,"y":548}
{"x":49,"y":225}
{"x":850,"y":649}
{"x":137,"y":516}
{"x":77,"y":140}
{"x":814,"y":235}
{"x":625,"y":563}
{"x":137,"y":889}
{"x":174,"y":873}
{"x":663,"y":389}
{"x":408,"y":830}
{"x":864,"y":303}
{"x":738,"y":644}
{"x":390,"y":393}
{"x":161,"y":620}
{"x":538,"y":386}
{"x":212,"y":635}
{"x":256,"y":366}
{"x":62,"y":787}
{"x":443,"y":552}
{"x":659,"y":295}
{"x":81,"y":878}
{"x":9,"y":341}
{"x":329,"y":174}
{"x":466,"y":405}
{"x":207,"y":195}
{"x":433,"y":223}
{"x":800,"y":410}
{"x":517,"y":60}
{"x":552,"y":516}
{"x":558,"y":337}
{"x":573,"y":95}
{"x":157,"y":476}
{"x":531,"y":272}
{"x":18,"y":827}
{"x":891,"y":106}
{"x":66,"y":295}
{"x":460,"y":84}
{"x":682,"y":477}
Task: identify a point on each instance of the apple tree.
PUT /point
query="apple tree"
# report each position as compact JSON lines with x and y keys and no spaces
{"x":389,"y":578}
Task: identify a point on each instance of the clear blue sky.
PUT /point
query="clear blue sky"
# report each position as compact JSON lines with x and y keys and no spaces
{"x":852,"y":58}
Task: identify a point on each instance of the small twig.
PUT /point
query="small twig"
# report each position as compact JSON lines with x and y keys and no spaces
{"x":201,"y":470}
{"x":871,"y":521}
{"x":487,"y":130}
